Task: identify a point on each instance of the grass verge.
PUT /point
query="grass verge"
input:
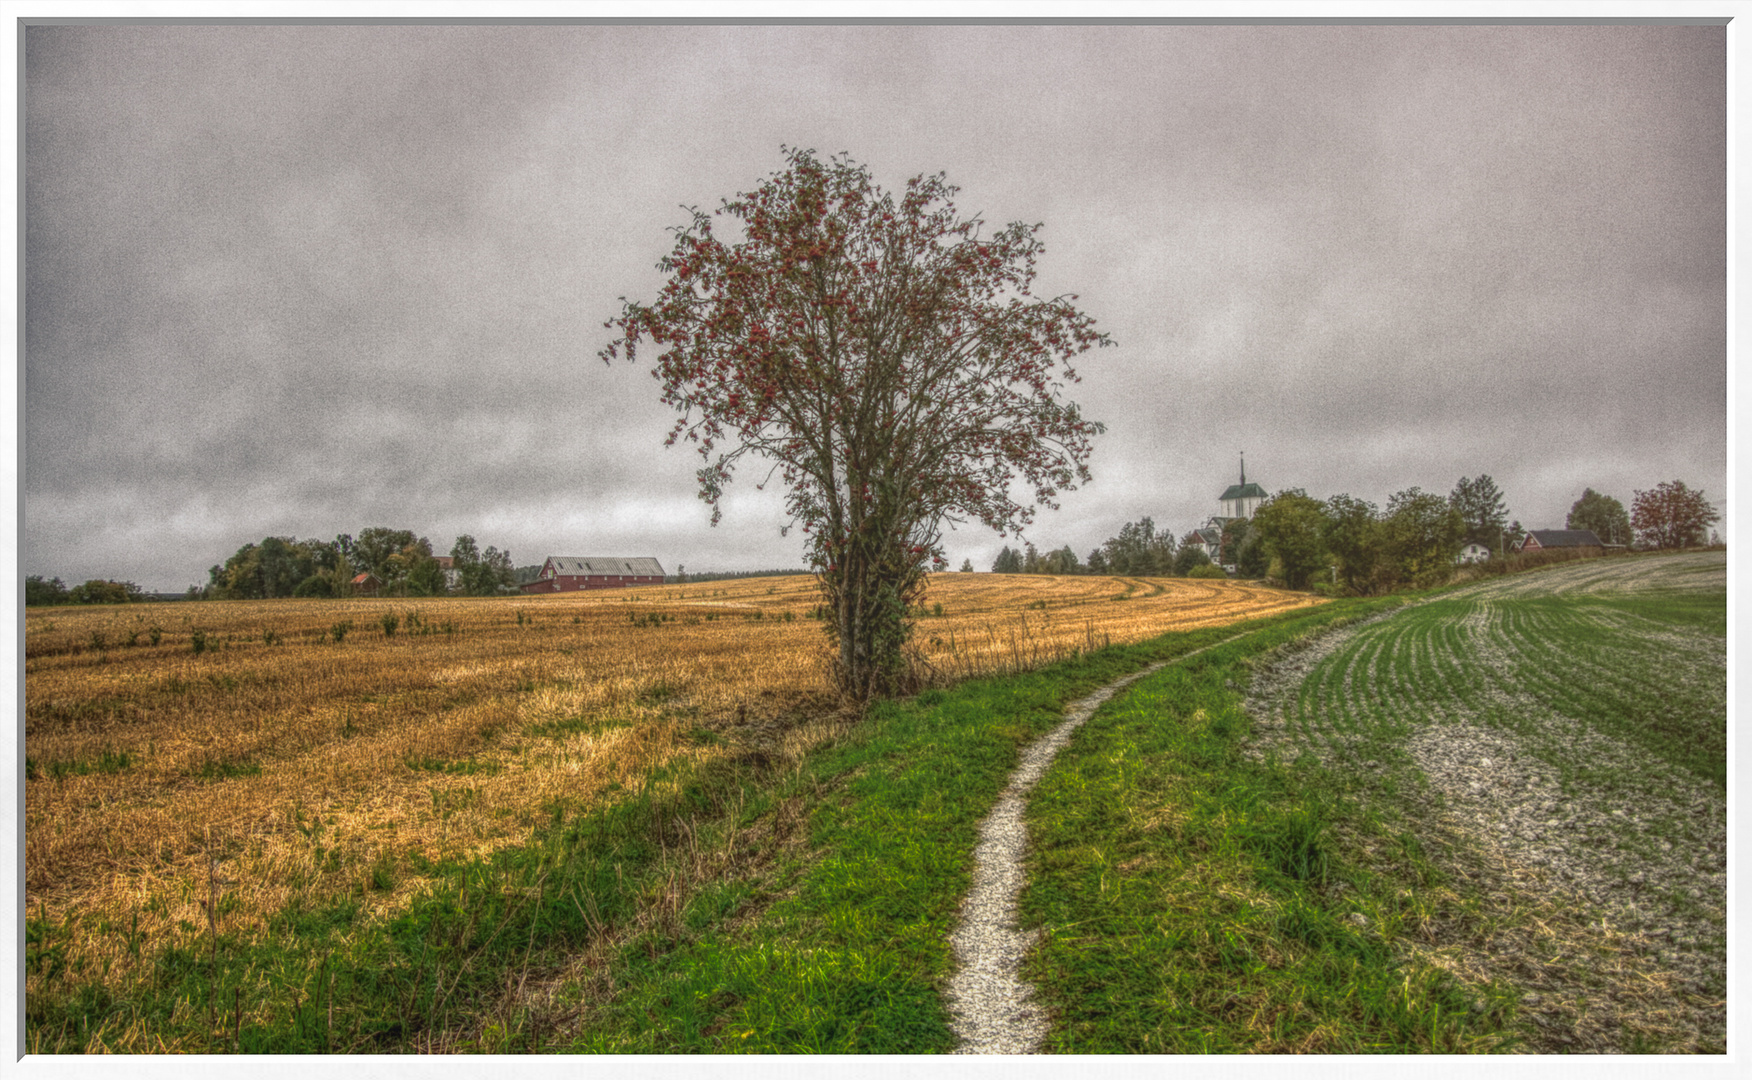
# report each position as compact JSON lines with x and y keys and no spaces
{"x":1196,"y":901}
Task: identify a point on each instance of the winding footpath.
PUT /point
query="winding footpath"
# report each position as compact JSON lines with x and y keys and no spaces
{"x":991,"y":1009}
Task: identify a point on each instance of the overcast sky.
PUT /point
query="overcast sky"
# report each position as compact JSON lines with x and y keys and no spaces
{"x":302,"y":280}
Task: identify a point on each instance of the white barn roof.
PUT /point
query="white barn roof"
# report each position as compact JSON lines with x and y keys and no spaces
{"x":571,"y":566}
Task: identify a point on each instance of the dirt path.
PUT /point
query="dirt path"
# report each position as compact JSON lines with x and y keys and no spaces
{"x":992,"y":1010}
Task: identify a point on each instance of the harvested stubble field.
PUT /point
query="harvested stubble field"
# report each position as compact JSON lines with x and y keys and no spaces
{"x":251,"y":753}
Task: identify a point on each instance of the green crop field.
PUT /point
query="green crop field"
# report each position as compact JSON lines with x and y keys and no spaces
{"x":1572,"y":724}
{"x":1494,"y":819}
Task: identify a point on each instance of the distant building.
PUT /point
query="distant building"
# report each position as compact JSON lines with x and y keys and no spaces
{"x":1546,"y":539}
{"x":1474,"y":553}
{"x":1242,"y":499}
{"x":1207,"y":538}
{"x":1239,"y":500}
{"x":564,"y":573}
{"x":366,"y":584}
{"x":452,"y":576}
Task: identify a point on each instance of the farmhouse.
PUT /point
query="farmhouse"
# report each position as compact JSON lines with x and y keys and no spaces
{"x":1473,"y":553}
{"x":563,"y":573}
{"x":1545,"y":539}
{"x":366,"y":584}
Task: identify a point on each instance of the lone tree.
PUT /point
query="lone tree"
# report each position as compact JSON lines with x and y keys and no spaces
{"x":891,"y":364}
{"x":1672,"y":515}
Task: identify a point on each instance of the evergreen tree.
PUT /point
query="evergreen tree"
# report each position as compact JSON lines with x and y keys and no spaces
{"x":1481,"y":510}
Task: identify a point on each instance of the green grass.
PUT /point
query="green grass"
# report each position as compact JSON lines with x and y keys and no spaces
{"x":106,"y":762}
{"x":1194,"y":901}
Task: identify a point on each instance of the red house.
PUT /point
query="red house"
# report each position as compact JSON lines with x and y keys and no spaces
{"x":567,"y":574}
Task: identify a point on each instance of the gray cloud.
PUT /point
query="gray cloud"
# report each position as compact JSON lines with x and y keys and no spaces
{"x":301,"y":280}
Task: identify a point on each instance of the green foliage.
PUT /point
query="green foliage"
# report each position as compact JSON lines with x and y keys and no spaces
{"x":1355,"y":536}
{"x":384,"y":552}
{"x":1007,"y":562}
{"x":484,"y":574}
{"x":316,"y":587}
{"x":1252,"y":556}
{"x":107,"y":762}
{"x":105,"y":592}
{"x":1422,"y":534}
{"x":1481,"y":510}
{"x":1208,"y":569}
{"x":830,"y":336}
{"x":338,"y":632}
{"x":1291,"y":529}
{"x":1190,"y":557}
{"x":1138,"y":550}
{"x":966,"y":566}
{"x":198,"y":641}
{"x":424,"y":576}
{"x":38,"y":592}
{"x":1602,"y":515}
{"x":276,"y":567}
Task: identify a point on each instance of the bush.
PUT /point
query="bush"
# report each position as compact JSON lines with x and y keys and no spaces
{"x":1208,"y":570}
{"x":315,"y":586}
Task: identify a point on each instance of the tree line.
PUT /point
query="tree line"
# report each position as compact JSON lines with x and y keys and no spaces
{"x":402,"y":563}
{"x":40,"y":591}
{"x":1351,"y":545}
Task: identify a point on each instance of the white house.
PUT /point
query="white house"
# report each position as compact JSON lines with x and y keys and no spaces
{"x":1473,"y":553}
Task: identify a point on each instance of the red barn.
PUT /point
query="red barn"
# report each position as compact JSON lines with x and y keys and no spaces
{"x":567,"y":574}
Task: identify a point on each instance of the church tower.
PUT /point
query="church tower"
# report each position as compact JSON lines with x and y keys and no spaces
{"x":1242,"y":499}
